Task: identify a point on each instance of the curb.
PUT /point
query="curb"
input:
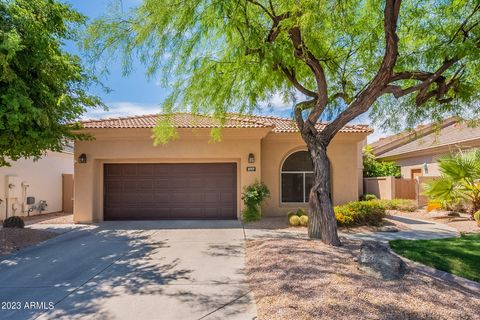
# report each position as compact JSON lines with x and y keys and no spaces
{"x":465,"y":284}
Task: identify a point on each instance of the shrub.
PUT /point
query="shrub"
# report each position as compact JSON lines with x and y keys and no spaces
{"x":368,"y":197}
{"x":294,"y":220}
{"x":252,"y":196}
{"x":359,"y":213}
{"x":304,"y":220}
{"x":476,"y":215}
{"x":13,"y":222}
{"x":398,"y":204}
{"x":300,"y":212}
{"x":374,"y":168}
{"x":433,"y":205}
{"x":291,"y":213}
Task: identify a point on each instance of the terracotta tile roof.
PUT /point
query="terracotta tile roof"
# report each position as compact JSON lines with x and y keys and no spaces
{"x":455,"y":134}
{"x":186,"y":120}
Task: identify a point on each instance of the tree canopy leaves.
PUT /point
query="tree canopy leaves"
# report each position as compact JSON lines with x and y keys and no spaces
{"x":42,"y":87}
{"x":374,"y":168}
{"x":232,"y":55}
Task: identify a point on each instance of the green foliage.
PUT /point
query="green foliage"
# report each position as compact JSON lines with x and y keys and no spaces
{"x":294,"y":220}
{"x":300,"y":212}
{"x":304,"y":220}
{"x":368,"y":197}
{"x":398,"y":204}
{"x":215,"y":56}
{"x":252,"y":197}
{"x":42,"y":87}
{"x":13,"y":222}
{"x":459,"y":181}
{"x":460,"y":256}
{"x":476,"y":216}
{"x":359,"y":213}
{"x":251,"y":213}
{"x":375,"y":168}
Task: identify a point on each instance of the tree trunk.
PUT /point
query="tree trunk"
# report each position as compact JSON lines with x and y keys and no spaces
{"x":321,"y":223}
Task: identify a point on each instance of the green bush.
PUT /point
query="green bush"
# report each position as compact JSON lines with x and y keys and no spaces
{"x":398,"y":204}
{"x":359,"y":213}
{"x":368,"y":197}
{"x":291,"y":214}
{"x":374,"y":168}
{"x":13,"y":222}
{"x":252,"y":196}
{"x":476,"y":215}
{"x":304,"y":220}
{"x":294,"y":220}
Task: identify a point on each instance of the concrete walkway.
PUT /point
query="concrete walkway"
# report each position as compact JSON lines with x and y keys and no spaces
{"x":417,"y":230}
{"x":132,"y":270}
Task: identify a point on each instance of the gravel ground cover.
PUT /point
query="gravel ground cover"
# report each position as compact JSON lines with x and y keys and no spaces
{"x":14,"y":239}
{"x":463,"y":223}
{"x":304,"y":279}
{"x":50,"y":218}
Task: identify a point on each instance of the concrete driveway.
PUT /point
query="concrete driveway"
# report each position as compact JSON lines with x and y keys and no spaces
{"x":125,"y":270}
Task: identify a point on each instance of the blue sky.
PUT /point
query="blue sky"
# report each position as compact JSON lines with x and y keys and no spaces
{"x":135,"y":94}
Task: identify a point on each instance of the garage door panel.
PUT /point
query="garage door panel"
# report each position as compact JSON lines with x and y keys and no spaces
{"x":160,"y":183}
{"x":170,"y":191}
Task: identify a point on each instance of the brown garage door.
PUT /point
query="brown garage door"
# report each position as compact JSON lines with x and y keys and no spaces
{"x":170,"y":191}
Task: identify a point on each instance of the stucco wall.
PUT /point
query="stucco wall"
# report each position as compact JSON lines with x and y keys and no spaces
{"x":135,"y":146}
{"x":344,"y":158}
{"x":418,"y":163}
{"x":44,"y":177}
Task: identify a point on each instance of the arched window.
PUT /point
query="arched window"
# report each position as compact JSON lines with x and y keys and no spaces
{"x":297,"y":177}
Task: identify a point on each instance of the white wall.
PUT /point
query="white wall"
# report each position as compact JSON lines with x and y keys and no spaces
{"x":44,"y":177}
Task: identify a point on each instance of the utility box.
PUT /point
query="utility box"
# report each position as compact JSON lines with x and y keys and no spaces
{"x":30,"y":200}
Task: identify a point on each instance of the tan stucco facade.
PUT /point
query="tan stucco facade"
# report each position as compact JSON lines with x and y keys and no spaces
{"x":193,"y":146}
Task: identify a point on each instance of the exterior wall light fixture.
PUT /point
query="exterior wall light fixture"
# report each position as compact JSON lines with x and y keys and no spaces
{"x":82,"y":158}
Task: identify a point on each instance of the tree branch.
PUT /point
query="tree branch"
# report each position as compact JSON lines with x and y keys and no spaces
{"x":290,"y":74}
{"x":302,"y":52}
{"x":364,"y":99}
{"x":427,"y":79}
{"x":299,"y":107}
{"x":258,"y":4}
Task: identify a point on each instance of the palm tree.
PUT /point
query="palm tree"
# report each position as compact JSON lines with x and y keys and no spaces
{"x":459,"y":182}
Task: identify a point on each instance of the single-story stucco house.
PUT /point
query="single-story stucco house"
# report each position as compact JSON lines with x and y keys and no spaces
{"x":417,"y":151}
{"x":30,"y":187}
{"x":121,"y":175}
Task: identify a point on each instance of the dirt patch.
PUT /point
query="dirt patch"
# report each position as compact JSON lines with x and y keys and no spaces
{"x":14,"y":239}
{"x":304,"y":279}
{"x":50,"y":218}
{"x":463,"y":223}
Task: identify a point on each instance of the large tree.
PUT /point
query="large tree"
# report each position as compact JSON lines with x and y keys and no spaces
{"x":42,"y":87}
{"x":409,"y":62}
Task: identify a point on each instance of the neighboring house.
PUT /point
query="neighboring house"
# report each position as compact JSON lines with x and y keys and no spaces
{"x":121,"y":175}
{"x":416,"y":152}
{"x":42,"y":179}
